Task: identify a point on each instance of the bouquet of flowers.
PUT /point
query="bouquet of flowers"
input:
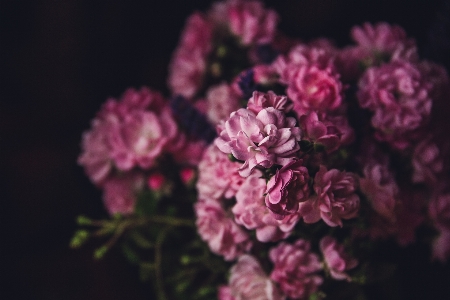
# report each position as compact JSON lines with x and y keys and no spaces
{"x":276,"y":168}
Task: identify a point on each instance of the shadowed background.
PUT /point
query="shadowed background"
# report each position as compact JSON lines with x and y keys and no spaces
{"x":59,"y":62}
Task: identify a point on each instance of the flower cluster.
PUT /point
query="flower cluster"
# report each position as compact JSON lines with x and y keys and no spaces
{"x":321,"y":152}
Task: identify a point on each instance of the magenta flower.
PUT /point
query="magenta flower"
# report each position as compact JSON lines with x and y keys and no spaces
{"x":313,"y":89}
{"x":251,"y":22}
{"x":217,"y":175}
{"x":427,"y":162}
{"x":439,"y":211}
{"x":223,"y":235}
{"x":120,"y":193}
{"x":196,"y":34}
{"x":287,"y":188}
{"x":336,"y":260}
{"x":399,"y":97}
{"x":186,"y":72}
{"x":380,"y":188}
{"x":248,"y":281}
{"x":221,"y":102}
{"x":295,"y":269}
{"x":260,"y":100}
{"x":335,"y":200}
{"x":259,"y":140}
{"x":224,"y":293}
{"x":141,"y":138}
{"x":441,"y":246}
{"x":251,"y":212}
{"x":322,"y":133}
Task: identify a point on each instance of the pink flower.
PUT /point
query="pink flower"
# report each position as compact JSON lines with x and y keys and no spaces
{"x":141,"y":138}
{"x":248,"y":281}
{"x":259,"y":140}
{"x":317,"y":132}
{"x":380,"y":188}
{"x":224,"y":293}
{"x":186,"y":72}
{"x":120,"y":193}
{"x":221,"y":102}
{"x":98,"y":145}
{"x":96,"y":152}
{"x":336,"y":260}
{"x":251,"y":212}
{"x":427,"y":162}
{"x":398,"y":95}
{"x":187,"y":175}
{"x":441,"y":246}
{"x":156,"y":181}
{"x":295,"y":269}
{"x":217,"y":175}
{"x":336,"y":198}
{"x":260,"y":100}
{"x":186,"y":151}
{"x":439,"y":211}
{"x":313,"y":89}
{"x":383,"y":39}
{"x":196,"y":34}
{"x":287,"y":188}
{"x":224,"y":237}
{"x":251,"y":22}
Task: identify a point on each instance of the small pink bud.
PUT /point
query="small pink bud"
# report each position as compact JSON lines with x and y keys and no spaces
{"x":156,"y":181}
{"x":187,"y":175}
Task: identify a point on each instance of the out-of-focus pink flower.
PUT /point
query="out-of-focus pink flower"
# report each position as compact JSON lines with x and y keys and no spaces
{"x":441,"y":246}
{"x":141,"y":138}
{"x":336,"y":198}
{"x":427,"y":162}
{"x":380,"y":188}
{"x":287,"y":188}
{"x":223,"y":235}
{"x":98,"y":145}
{"x":224,"y":293}
{"x":248,"y":281}
{"x":260,"y":100}
{"x":399,"y":97}
{"x":96,"y":156}
{"x":217,"y":175}
{"x":259,"y":140}
{"x":221,"y":102}
{"x":439,"y":211}
{"x":251,"y":212}
{"x":187,"y":175}
{"x":313,"y":89}
{"x":336,"y":259}
{"x":295,"y":269}
{"x":383,"y":39}
{"x":186,"y":71}
{"x":156,"y":181}
{"x":196,"y":34}
{"x":251,"y":22}
{"x":186,"y":151}
{"x":120,"y":193}
{"x":317,"y":132}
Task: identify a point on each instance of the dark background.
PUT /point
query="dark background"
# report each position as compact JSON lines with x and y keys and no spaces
{"x":60,"y":60}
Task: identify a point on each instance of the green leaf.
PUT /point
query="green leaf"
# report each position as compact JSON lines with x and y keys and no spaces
{"x":141,"y":240}
{"x":130,"y":254}
{"x":99,"y":253}
{"x":83,"y":220}
{"x":146,"y":204}
{"x":79,"y":238}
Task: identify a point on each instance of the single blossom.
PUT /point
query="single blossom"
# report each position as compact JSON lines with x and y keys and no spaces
{"x":322,"y":133}
{"x":399,"y":96}
{"x":287,"y":188}
{"x":439,"y":211}
{"x":295,"y":269}
{"x":141,"y":139}
{"x":249,"y":281}
{"x":260,"y":100}
{"x":251,"y":212}
{"x":120,"y":193}
{"x":251,"y":22}
{"x":337,"y":261}
{"x":427,"y":162}
{"x":218,"y":176}
{"x":441,"y":246}
{"x":223,"y":235}
{"x":259,"y":140}
{"x":221,"y":102}
{"x":335,"y":198}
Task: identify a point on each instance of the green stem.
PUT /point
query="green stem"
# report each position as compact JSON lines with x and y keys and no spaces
{"x":158,"y":262}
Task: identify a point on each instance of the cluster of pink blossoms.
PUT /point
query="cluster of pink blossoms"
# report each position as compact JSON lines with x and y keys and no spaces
{"x":333,"y":145}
